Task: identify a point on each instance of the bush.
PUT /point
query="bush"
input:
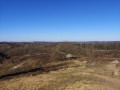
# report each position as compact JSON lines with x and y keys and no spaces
{"x":3,"y":57}
{"x":62,"y":49}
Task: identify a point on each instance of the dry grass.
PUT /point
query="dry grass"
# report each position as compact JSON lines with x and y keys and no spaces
{"x":73,"y":77}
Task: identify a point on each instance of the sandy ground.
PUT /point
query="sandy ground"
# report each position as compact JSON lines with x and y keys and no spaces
{"x":98,"y":77}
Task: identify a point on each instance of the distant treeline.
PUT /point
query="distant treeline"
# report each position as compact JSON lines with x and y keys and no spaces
{"x":58,"y":50}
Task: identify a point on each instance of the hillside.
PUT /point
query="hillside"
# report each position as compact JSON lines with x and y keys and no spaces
{"x":60,"y":66}
{"x":73,"y":75}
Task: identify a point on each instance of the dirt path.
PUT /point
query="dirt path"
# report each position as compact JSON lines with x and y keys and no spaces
{"x":108,"y":83}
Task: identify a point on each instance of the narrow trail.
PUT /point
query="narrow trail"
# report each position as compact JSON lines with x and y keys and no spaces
{"x":108,"y":82}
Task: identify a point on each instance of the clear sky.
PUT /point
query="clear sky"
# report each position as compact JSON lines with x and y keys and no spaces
{"x":59,"y":20}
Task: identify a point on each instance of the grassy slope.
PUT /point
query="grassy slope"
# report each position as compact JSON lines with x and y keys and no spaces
{"x":76,"y":76}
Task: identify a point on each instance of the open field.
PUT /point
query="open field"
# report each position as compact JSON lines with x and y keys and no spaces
{"x":73,"y":76}
{"x":60,"y":66}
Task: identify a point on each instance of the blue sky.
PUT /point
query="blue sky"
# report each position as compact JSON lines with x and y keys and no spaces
{"x":59,"y":20}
